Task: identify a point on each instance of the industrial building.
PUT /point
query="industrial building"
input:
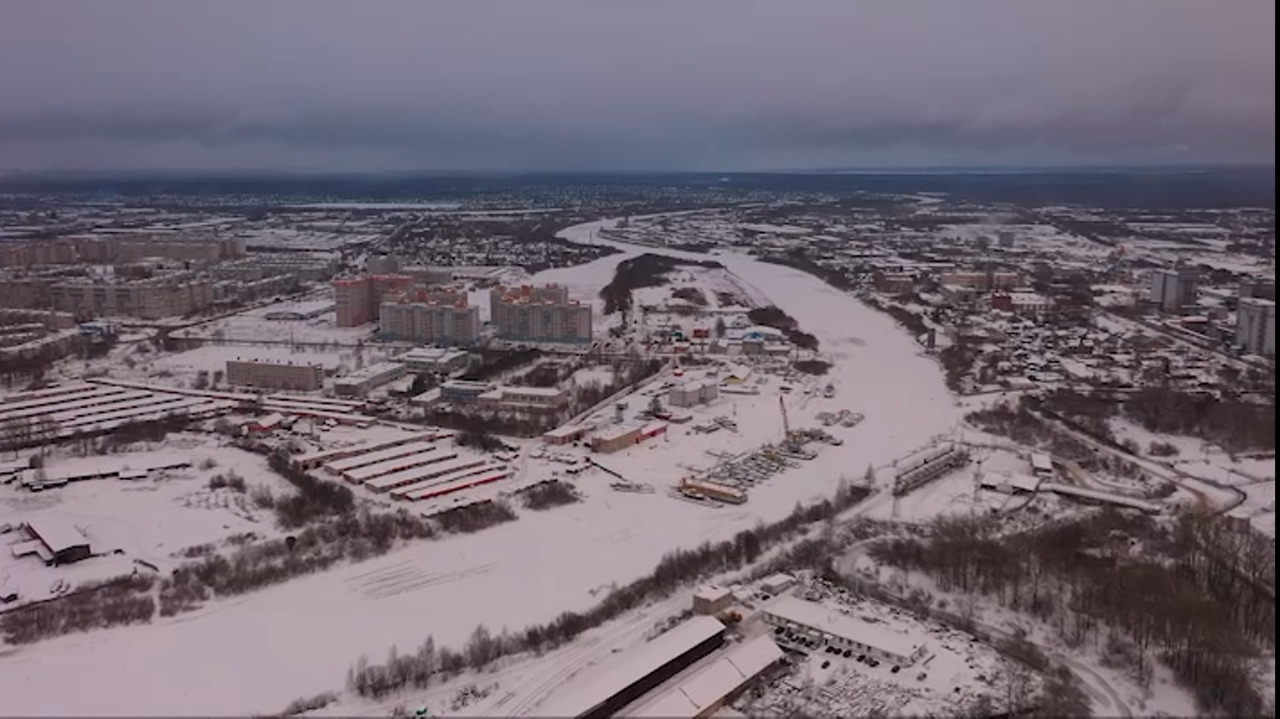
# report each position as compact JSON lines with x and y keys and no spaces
{"x":539,"y":314}
{"x":843,"y":631}
{"x":357,"y":299}
{"x":1256,"y":326}
{"x":693,"y":393}
{"x":275,"y":375}
{"x":567,"y":434}
{"x":1171,"y":290}
{"x":711,"y":687}
{"x":363,"y":381}
{"x":926,"y":466}
{"x":461,"y":391}
{"x":615,"y":438}
{"x":606,"y":691}
{"x":777,"y":583}
{"x":712,"y":600}
{"x":528,"y":399}
{"x":702,"y":489}
{"x":55,"y":540}
{"x":440,"y":360}
{"x":441,"y":317}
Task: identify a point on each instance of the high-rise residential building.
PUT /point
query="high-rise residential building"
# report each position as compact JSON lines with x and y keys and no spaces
{"x":539,"y":314}
{"x":357,"y":299}
{"x":1174,"y":289}
{"x":1256,"y":326}
{"x":440,"y":317}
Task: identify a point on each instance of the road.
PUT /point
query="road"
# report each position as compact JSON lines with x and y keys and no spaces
{"x":1167,"y":472}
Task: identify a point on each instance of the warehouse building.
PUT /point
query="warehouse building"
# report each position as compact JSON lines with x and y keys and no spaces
{"x":605,"y":692}
{"x":529,"y":399}
{"x":461,"y":391}
{"x":55,"y":540}
{"x":434,"y":359}
{"x":692,"y":393}
{"x":568,"y":434}
{"x":615,"y":438}
{"x":711,"y":687}
{"x":275,"y":375}
{"x":712,"y":600}
{"x":363,"y":381}
{"x":843,"y":631}
{"x":777,"y":583}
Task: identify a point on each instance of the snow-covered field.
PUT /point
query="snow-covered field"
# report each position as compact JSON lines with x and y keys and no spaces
{"x":150,"y":519}
{"x":258,"y":652}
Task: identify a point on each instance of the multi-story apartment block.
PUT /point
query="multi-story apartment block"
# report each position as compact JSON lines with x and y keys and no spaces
{"x":357,"y":299}
{"x":94,"y":249}
{"x":983,"y":281}
{"x":539,"y":314}
{"x":1256,"y":326}
{"x":166,"y":296}
{"x":275,"y":375}
{"x":440,"y":317}
{"x":24,"y":292}
{"x":1173,"y":289}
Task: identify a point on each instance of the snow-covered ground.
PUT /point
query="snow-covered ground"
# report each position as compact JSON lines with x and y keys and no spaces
{"x":151,"y":519}
{"x":260,"y":651}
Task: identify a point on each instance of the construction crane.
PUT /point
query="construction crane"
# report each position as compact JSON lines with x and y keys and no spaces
{"x":786,"y":424}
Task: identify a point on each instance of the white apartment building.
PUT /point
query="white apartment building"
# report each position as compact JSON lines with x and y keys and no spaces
{"x":275,"y":375}
{"x":1256,"y":326}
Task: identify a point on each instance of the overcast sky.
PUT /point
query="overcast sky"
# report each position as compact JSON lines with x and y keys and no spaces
{"x":632,"y":85}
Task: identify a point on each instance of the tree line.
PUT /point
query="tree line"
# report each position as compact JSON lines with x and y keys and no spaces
{"x":677,"y":569}
{"x":1125,"y":582}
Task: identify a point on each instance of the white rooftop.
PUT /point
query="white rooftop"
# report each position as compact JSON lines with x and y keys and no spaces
{"x":591,"y":690}
{"x":56,"y":532}
{"x":371,"y":371}
{"x":711,"y":593}
{"x":826,"y":619}
{"x":713,"y":682}
{"x":431,"y":353}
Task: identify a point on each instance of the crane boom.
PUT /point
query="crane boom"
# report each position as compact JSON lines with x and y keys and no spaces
{"x":786,"y":424}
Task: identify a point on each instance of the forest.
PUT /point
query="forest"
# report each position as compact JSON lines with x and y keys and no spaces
{"x":1197,"y":596}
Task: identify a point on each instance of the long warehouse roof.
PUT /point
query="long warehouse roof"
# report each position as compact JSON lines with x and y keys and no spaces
{"x":713,"y":682}
{"x":595,"y":688}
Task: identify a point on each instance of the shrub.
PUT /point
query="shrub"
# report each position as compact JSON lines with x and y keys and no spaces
{"x":545,"y":495}
{"x":474,"y":517}
{"x":309,"y":704}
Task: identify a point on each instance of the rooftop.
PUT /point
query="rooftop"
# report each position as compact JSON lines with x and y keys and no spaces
{"x":597,"y":686}
{"x":57,"y":533}
{"x":713,"y":682}
{"x":826,"y":619}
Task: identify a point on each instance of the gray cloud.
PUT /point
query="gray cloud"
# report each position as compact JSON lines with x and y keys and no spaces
{"x":723,"y":84}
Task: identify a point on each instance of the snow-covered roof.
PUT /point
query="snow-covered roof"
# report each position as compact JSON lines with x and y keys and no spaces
{"x":714,"y":682}
{"x":825,"y":619}
{"x":711,"y":593}
{"x":374,"y":371}
{"x":774,"y":580}
{"x":57,"y":533}
{"x":596,"y":687}
{"x":568,"y":430}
